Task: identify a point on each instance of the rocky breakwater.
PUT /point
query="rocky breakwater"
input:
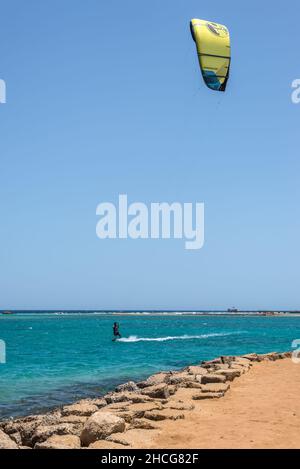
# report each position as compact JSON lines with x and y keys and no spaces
{"x":114,"y":420}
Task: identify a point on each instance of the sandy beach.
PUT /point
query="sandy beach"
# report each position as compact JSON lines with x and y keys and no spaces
{"x":230,"y":402}
{"x":261,"y":410}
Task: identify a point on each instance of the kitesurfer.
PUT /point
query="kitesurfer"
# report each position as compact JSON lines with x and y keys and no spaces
{"x":116,"y":331}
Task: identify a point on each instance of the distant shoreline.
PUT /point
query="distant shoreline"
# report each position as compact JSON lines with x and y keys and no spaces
{"x":244,"y":313}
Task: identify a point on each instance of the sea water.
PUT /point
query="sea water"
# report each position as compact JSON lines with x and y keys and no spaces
{"x":53,"y":359}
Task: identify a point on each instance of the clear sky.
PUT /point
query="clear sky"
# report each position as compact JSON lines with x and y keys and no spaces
{"x":105,"y":98}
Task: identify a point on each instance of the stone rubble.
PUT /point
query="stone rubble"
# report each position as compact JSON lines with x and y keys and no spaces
{"x":132,"y":407}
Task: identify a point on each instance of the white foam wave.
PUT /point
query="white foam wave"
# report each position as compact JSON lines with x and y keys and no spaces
{"x":134,"y":338}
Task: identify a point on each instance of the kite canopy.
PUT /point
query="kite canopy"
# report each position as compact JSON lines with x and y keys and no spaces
{"x":213,"y":47}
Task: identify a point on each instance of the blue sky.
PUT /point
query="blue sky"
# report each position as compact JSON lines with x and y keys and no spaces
{"x":105,"y":98}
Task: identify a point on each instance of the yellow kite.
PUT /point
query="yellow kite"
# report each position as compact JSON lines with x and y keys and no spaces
{"x":213,"y":48}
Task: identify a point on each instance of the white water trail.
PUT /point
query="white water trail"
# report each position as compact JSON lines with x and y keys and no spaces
{"x":134,"y":338}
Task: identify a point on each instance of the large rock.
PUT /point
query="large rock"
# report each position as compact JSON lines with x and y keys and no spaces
{"x":118,"y":406}
{"x":158,"y":391}
{"x":27,"y":431}
{"x":142,"y":424}
{"x":43,"y":432}
{"x":193,"y":384}
{"x":99,"y":426}
{"x":116,"y":397}
{"x":166,"y":414}
{"x":218,"y":363}
{"x":272,"y":356}
{"x":196,"y":370}
{"x":211,"y":363}
{"x":6,"y":442}
{"x":213,"y":378}
{"x":60,"y":442}
{"x":125,"y":414}
{"x":82,"y":410}
{"x":147,"y":406}
{"x":135,"y":411}
{"x":229,"y":374}
{"x":172,"y":388}
{"x":130,"y":386}
{"x":15,"y":425}
{"x":16,"y":437}
{"x":99,"y":402}
{"x":242,"y":366}
{"x":253,"y":357}
{"x":179,"y":378}
{"x":77,"y":419}
{"x":138,"y":410}
{"x":158,"y":378}
{"x":243,"y":361}
{"x":26,"y":426}
{"x":215,"y":387}
{"x":227,"y":359}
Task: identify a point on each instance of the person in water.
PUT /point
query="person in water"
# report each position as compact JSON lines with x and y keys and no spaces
{"x":116,"y":330}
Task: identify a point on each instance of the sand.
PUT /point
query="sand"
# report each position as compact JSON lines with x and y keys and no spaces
{"x":261,"y":410}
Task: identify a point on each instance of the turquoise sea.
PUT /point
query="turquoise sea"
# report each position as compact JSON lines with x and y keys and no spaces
{"x":55,"y":358}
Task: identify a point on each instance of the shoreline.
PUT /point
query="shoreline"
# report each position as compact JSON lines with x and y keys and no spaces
{"x":139,"y":415}
{"x":154,"y":314}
